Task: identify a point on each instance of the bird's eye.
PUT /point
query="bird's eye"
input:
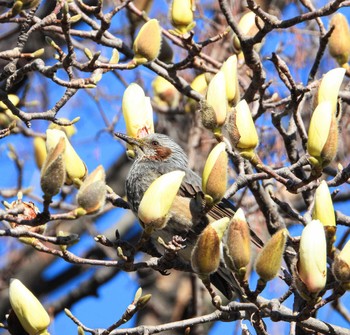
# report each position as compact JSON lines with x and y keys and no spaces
{"x":155,"y":143}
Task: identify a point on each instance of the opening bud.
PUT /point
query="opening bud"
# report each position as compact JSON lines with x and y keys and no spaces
{"x":28,"y":309}
{"x":147,"y":43}
{"x":157,"y":200}
{"x":214,"y":181}
{"x":181,"y":16}
{"x":269,"y":260}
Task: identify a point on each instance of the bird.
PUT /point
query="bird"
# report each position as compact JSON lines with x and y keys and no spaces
{"x":155,"y":155}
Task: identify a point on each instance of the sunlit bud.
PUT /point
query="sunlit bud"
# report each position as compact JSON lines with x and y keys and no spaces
{"x":92,"y":192}
{"x":329,"y":87}
{"x":115,"y":56}
{"x":75,"y":167}
{"x":157,"y":200}
{"x":247,"y":24}
{"x":81,"y":330}
{"x":322,"y":143}
{"x":312,"y":262}
{"x":137,"y":112}
{"x":229,"y":68}
{"x":269,"y":260}
{"x":341,"y":266}
{"x":165,"y":93}
{"x":17,"y":7}
{"x":69,"y":130}
{"x":214,"y":181}
{"x":147,"y":43}
{"x":241,"y":129}
{"x":39,"y":151}
{"x":205,"y":257}
{"x":13,"y":98}
{"x":181,"y":15}
{"x":214,"y":108}
{"x":339,"y":41}
{"x":323,"y":208}
{"x":28,"y":309}
{"x":53,"y":172}
{"x":238,"y":242}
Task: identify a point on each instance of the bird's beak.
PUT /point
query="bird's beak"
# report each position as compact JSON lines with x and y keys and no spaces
{"x":128,"y":139}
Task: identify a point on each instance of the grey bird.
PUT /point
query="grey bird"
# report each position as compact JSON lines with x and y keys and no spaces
{"x":155,"y":155}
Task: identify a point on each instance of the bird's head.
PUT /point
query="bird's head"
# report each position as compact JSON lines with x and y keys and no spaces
{"x":155,"y":147}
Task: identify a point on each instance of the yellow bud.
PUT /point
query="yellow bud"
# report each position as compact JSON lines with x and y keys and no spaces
{"x":53,"y":172}
{"x":181,"y":15}
{"x":39,"y":151}
{"x":165,"y":93}
{"x":28,"y":309}
{"x":238,"y":242}
{"x":115,"y":56}
{"x":205,"y":258}
{"x":323,"y":208}
{"x":92,"y":192}
{"x":75,"y":167}
{"x":137,"y":112}
{"x":269,"y":260}
{"x":329,"y":87}
{"x":214,"y":115}
{"x":214,"y":181}
{"x":148,"y":42}
{"x":157,"y":200}
{"x":13,"y":98}
{"x":200,"y":83}
{"x":339,"y":41}
{"x":241,"y":128}
{"x":247,"y":24}
{"x":341,"y":265}
{"x":323,"y":135}
{"x":312,"y":262}
{"x":229,"y":68}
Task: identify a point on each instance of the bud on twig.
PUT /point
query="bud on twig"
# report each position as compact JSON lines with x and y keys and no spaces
{"x":205,"y":257}
{"x":53,"y":172}
{"x":238,"y":243}
{"x":322,"y":143}
{"x":92,"y":193}
{"x":229,"y":68}
{"x":181,"y":16}
{"x":312,"y":261}
{"x":323,"y":208}
{"x":339,"y":41}
{"x":147,"y":43}
{"x":28,"y":309}
{"x":165,"y":93}
{"x":269,"y":260}
{"x":157,"y":200}
{"x":214,"y":181}
{"x":341,"y":266}
{"x":137,"y":112}
{"x":242,"y":131}
{"x":214,"y":108}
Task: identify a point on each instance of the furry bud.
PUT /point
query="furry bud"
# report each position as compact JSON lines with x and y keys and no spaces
{"x":339,"y":41}
{"x":323,"y":208}
{"x":269,"y":260}
{"x":181,"y":16}
{"x":28,"y":309}
{"x":341,"y":266}
{"x":214,"y":181}
{"x":147,"y":43}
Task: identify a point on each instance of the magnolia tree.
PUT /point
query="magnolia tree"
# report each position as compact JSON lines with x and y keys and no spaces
{"x":255,"y":93}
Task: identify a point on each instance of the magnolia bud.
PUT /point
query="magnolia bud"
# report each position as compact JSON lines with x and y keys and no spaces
{"x":39,"y":151}
{"x":242,"y":131}
{"x":75,"y":167}
{"x":13,"y":98}
{"x":341,"y":266}
{"x":92,"y":193}
{"x":312,"y":262}
{"x":147,"y":43}
{"x":214,"y":181}
{"x":229,"y":68}
{"x":205,"y":257}
{"x":214,"y":109}
{"x":329,"y":87}
{"x":157,"y":200}
{"x":28,"y":309}
{"x":53,"y":172}
{"x":165,"y":93}
{"x":269,"y":260}
{"x":137,"y":112}
{"x":238,"y":242}
{"x":339,"y":41}
{"x":200,"y":83}
{"x":181,"y":15}
{"x":323,"y":208}
{"x":322,"y":143}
